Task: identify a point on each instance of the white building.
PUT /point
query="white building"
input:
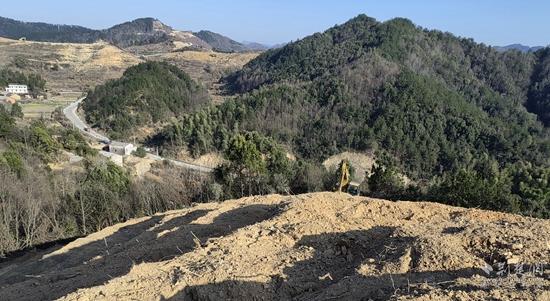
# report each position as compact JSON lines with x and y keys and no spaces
{"x":17,"y":89}
{"x":121,"y":148}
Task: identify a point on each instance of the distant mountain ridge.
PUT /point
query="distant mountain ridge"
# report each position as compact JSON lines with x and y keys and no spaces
{"x":220,"y":42}
{"x":519,"y":47}
{"x":142,"y":31}
{"x":255,"y":45}
{"x":38,"y":31}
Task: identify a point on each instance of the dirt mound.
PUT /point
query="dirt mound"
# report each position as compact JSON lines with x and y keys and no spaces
{"x":322,"y":246}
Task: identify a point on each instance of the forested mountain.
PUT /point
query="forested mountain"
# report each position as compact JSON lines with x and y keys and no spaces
{"x":147,"y":31}
{"x":141,"y":31}
{"x":36,"y":31}
{"x":430,"y":99}
{"x":539,"y":92}
{"x":518,"y":47}
{"x":220,"y":42}
{"x":146,"y":94}
{"x":256,"y":46}
{"x":137,"y":32}
{"x":439,"y":108}
{"x":224,"y":44}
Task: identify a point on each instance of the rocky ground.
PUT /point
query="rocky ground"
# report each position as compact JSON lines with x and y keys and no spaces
{"x":321,"y":246}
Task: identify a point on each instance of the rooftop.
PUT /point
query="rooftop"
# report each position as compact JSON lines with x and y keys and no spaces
{"x":120,"y":144}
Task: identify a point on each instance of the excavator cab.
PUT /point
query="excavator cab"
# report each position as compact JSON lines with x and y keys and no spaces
{"x":353,"y":188}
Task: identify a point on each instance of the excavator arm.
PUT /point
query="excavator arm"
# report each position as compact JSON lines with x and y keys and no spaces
{"x":344,"y":176}
{"x":345,"y":184}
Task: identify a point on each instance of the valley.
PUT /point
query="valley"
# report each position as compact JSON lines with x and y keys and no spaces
{"x":374,"y":160}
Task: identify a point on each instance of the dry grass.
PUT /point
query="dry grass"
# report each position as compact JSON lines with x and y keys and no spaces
{"x":67,"y":66}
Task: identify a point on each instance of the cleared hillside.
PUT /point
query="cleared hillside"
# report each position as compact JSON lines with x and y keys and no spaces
{"x":323,"y":246}
{"x":78,"y":67}
{"x":66,"y":66}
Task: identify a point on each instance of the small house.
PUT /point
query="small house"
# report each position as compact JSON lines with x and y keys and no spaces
{"x":115,"y":158}
{"x":121,"y":148}
{"x":17,"y":89}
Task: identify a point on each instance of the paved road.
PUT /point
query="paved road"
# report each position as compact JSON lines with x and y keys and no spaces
{"x":70,"y":113}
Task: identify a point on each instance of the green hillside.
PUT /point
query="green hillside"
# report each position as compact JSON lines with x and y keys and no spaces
{"x":539,"y":92}
{"x":436,"y":107}
{"x":146,"y":94}
{"x":431,"y":100}
{"x":220,"y":42}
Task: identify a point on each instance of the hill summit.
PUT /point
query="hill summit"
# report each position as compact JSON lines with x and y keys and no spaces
{"x":320,"y":246}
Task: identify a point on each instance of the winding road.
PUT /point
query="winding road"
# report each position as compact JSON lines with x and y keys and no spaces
{"x":70,"y":112}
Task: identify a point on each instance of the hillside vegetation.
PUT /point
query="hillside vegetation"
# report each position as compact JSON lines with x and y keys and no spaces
{"x":445,"y":111}
{"x":146,"y":94}
{"x":40,"y":203}
{"x":37,"y":31}
{"x":539,"y":92}
{"x":137,"y":32}
{"x":34,"y":82}
{"x":220,"y":43}
{"x":150,"y":33}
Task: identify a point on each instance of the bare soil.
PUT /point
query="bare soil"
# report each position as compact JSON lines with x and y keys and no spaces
{"x":66,"y":66}
{"x":320,"y":246}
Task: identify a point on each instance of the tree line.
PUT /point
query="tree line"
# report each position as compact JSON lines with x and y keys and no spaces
{"x":35,"y":82}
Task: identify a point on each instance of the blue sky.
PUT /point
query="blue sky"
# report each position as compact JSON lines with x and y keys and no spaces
{"x":274,"y":21}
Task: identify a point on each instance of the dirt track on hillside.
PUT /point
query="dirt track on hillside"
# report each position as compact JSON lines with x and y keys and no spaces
{"x":323,"y":246}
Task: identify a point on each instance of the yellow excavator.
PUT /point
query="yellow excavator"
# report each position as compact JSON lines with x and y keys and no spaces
{"x":345,"y":184}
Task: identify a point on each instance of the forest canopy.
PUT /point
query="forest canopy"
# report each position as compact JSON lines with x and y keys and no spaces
{"x":146,"y":94}
{"x":35,"y":82}
{"x":436,"y":106}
